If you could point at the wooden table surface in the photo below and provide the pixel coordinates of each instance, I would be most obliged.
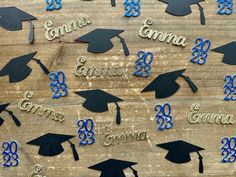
(136, 109)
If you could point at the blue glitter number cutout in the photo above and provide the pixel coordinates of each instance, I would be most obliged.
(10, 154)
(229, 88)
(228, 150)
(162, 117)
(143, 67)
(58, 85)
(200, 51)
(53, 5)
(132, 8)
(85, 131)
(225, 7)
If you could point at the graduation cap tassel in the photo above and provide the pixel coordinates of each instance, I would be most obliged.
(113, 3)
(135, 172)
(190, 83)
(14, 118)
(118, 116)
(125, 48)
(200, 163)
(202, 16)
(1, 121)
(31, 34)
(75, 154)
(45, 70)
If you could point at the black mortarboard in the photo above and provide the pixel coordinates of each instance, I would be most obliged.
(114, 168)
(100, 40)
(179, 152)
(11, 19)
(14, 118)
(97, 100)
(50, 144)
(165, 84)
(17, 68)
(182, 8)
(229, 51)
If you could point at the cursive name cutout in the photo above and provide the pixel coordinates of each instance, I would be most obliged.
(37, 171)
(25, 105)
(109, 139)
(98, 71)
(145, 32)
(195, 117)
(73, 25)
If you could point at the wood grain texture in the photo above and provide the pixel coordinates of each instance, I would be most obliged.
(137, 109)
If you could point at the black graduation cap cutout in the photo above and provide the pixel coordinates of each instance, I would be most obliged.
(179, 152)
(97, 100)
(114, 168)
(50, 144)
(182, 8)
(3, 107)
(18, 70)
(229, 51)
(100, 40)
(165, 85)
(11, 19)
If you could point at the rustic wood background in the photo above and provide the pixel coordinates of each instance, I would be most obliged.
(137, 109)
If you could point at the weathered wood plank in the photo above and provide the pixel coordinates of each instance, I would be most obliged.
(137, 108)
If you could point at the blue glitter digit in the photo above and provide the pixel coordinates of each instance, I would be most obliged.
(9, 154)
(128, 8)
(200, 51)
(90, 132)
(85, 132)
(227, 150)
(168, 117)
(159, 118)
(59, 3)
(14, 154)
(58, 85)
(63, 86)
(229, 88)
(136, 8)
(132, 8)
(53, 5)
(143, 67)
(225, 7)
(81, 132)
(163, 118)
(50, 5)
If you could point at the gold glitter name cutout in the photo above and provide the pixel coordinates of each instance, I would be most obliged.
(108, 139)
(145, 32)
(25, 105)
(37, 170)
(195, 117)
(98, 71)
(52, 34)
